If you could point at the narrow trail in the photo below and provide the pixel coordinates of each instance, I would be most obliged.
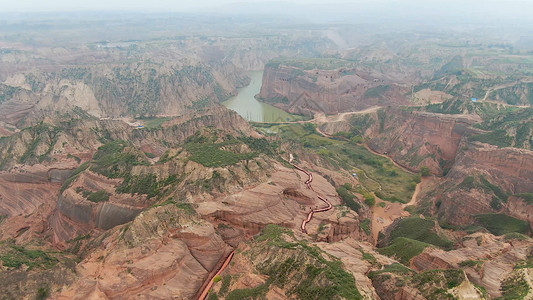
(415, 194)
(205, 292)
(309, 186)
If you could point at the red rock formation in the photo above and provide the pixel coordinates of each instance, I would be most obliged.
(328, 91)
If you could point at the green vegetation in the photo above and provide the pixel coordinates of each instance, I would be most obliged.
(348, 198)
(377, 174)
(421, 230)
(41, 133)
(526, 197)
(507, 127)
(187, 207)
(274, 235)
(527, 263)
(42, 293)
(226, 280)
(210, 155)
(7, 92)
(467, 183)
(498, 192)
(74, 176)
(370, 200)
(432, 284)
(145, 184)
(16, 256)
(370, 258)
(254, 293)
(77, 159)
(480, 182)
(150, 155)
(79, 238)
(365, 225)
(404, 249)
(452, 278)
(497, 137)
(322, 278)
(514, 287)
(166, 157)
(377, 92)
(261, 145)
(500, 224)
(115, 160)
(515, 236)
(395, 268)
(98, 196)
(305, 135)
(471, 263)
(359, 124)
(154, 122)
(424, 171)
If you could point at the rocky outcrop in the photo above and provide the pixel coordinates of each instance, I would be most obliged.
(123, 89)
(487, 260)
(493, 173)
(178, 129)
(511, 168)
(305, 91)
(77, 215)
(520, 208)
(266, 203)
(415, 139)
(33, 284)
(71, 138)
(164, 251)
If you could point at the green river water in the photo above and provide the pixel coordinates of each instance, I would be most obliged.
(250, 108)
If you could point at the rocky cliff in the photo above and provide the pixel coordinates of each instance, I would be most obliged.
(112, 90)
(415, 139)
(166, 250)
(306, 89)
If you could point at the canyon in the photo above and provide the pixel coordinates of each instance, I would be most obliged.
(124, 173)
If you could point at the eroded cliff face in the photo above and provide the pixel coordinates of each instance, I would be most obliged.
(480, 182)
(304, 91)
(113, 90)
(63, 138)
(411, 138)
(486, 260)
(166, 251)
(512, 168)
(415, 139)
(283, 199)
(280, 264)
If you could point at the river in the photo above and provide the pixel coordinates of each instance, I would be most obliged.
(250, 108)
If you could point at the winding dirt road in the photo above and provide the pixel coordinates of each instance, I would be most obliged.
(309, 186)
(205, 292)
(329, 206)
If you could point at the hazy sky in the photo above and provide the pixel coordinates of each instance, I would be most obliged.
(452, 10)
(188, 5)
(152, 5)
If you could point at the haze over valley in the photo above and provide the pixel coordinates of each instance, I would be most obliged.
(266, 150)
